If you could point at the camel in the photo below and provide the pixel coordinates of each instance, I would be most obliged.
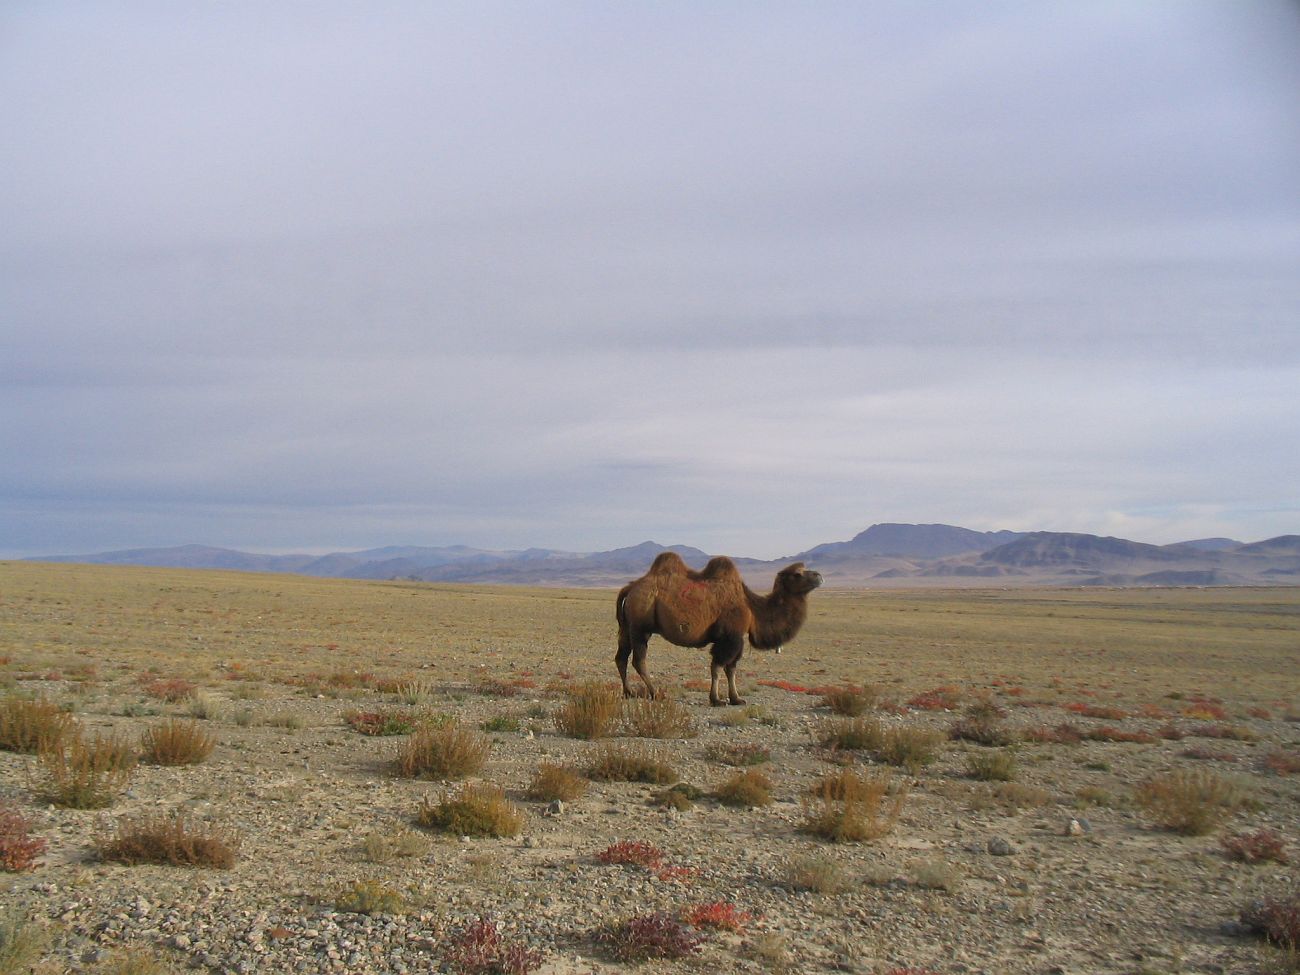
(694, 609)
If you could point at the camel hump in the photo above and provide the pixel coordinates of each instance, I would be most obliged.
(667, 562)
(719, 567)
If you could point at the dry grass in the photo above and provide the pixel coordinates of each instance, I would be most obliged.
(749, 789)
(22, 942)
(29, 725)
(398, 844)
(1190, 801)
(369, 897)
(590, 711)
(846, 807)
(441, 751)
(176, 742)
(551, 782)
(476, 810)
(911, 748)
(78, 774)
(991, 766)
(662, 718)
(619, 763)
(171, 839)
(852, 734)
(850, 700)
(818, 874)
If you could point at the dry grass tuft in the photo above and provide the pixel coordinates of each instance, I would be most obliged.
(749, 789)
(590, 711)
(399, 844)
(441, 751)
(657, 718)
(849, 700)
(176, 742)
(992, 766)
(846, 807)
(369, 897)
(817, 874)
(77, 774)
(852, 734)
(617, 763)
(29, 725)
(1190, 801)
(382, 723)
(171, 839)
(22, 942)
(551, 782)
(910, 748)
(172, 690)
(477, 810)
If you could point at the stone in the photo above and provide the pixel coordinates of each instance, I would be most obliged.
(1000, 847)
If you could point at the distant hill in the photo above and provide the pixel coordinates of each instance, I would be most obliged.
(892, 555)
(910, 541)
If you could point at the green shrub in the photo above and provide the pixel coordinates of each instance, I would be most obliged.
(477, 810)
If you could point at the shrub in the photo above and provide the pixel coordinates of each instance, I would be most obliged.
(382, 723)
(18, 848)
(1282, 762)
(445, 751)
(634, 852)
(1231, 732)
(853, 734)
(86, 775)
(479, 949)
(1191, 802)
(478, 810)
(169, 838)
(657, 718)
(742, 754)
(204, 707)
(1111, 733)
(681, 796)
(589, 711)
(749, 789)
(848, 808)
(1277, 918)
(551, 782)
(369, 897)
(817, 874)
(28, 725)
(21, 942)
(172, 691)
(849, 700)
(936, 875)
(910, 748)
(176, 742)
(414, 691)
(983, 724)
(721, 915)
(997, 766)
(501, 723)
(614, 763)
(495, 687)
(379, 847)
(939, 699)
(1062, 734)
(658, 935)
(1260, 846)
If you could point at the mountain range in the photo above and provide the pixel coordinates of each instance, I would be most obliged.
(884, 555)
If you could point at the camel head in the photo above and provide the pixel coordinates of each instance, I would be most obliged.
(795, 580)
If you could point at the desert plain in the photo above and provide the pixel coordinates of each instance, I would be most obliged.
(1059, 867)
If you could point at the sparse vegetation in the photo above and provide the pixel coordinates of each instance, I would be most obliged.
(911, 748)
(1259, 846)
(846, 807)
(647, 936)
(551, 782)
(176, 742)
(19, 850)
(619, 763)
(21, 942)
(480, 949)
(983, 723)
(29, 725)
(370, 897)
(590, 711)
(850, 700)
(169, 838)
(991, 766)
(1193, 802)
(818, 874)
(441, 751)
(398, 844)
(750, 789)
(476, 810)
(661, 717)
(382, 723)
(86, 775)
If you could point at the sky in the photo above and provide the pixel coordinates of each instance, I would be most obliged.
(319, 276)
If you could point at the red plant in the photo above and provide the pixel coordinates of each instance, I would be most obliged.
(938, 699)
(658, 935)
(720, 914)
(480, 950)
(1277, 918)
(1257, 847)
(1062, 734)
(785, 685)
(1171, 732)
(632, 851)
(377, 723)
(18, 848)
(1111, 733)
(1205, 708)
(171, 690)
(676, 874)
(1282, 762)
(1098, 711)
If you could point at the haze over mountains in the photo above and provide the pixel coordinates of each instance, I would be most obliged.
(884, 555)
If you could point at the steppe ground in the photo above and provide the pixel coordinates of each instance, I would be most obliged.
(1058, 871)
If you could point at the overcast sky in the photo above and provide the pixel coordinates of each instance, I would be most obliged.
(749, 276)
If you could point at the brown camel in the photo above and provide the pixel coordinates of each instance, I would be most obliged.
(694, 609)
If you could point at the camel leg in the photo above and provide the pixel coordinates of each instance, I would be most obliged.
(638, 661)
(620, 658)
(726, 651)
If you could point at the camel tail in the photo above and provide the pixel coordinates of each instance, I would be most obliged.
(619, 615)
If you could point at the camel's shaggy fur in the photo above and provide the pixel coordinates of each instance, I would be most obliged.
(714, 606)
